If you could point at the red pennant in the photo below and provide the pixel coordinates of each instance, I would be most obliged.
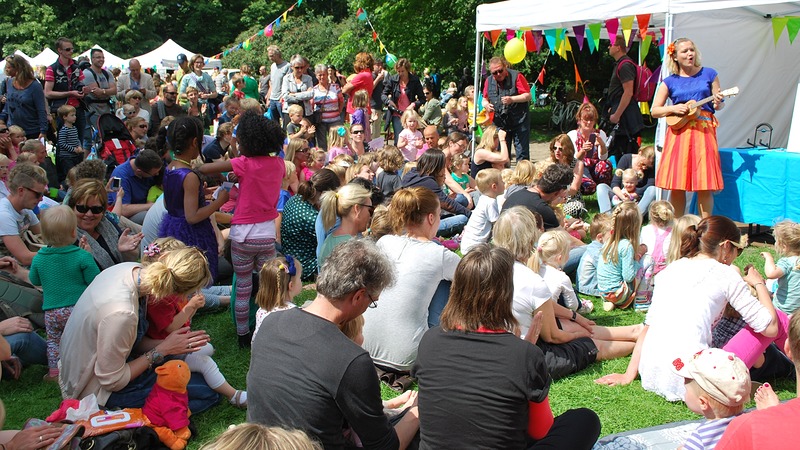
(374, 36)
(540, 78)
(644, 21)
(530, 41)
(495, 34)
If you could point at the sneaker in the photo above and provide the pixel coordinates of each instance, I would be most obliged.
(245, 340)
(608, 306)
(586, 307)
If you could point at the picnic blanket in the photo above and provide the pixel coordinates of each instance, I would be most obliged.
(668, 436)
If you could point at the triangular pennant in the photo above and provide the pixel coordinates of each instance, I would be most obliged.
(567, 44)
(291, 8)
(284, 15)
(260, 33)
(627, 26)
(374, 36)
(537, 36)
(487, 36)
(579, 31)
(510, 34)
(562, 49)
(359, 12)
(268, 31)
(586, 99)
(299, 2)
(612, 26)
(540, 78)
(663, 36)
(792, 26)
(560, 40)
(643, 20)
(382, 48)
(530, 41)
(550, 35)
(644, 107)
(277, 23)
(594, 29)
(644, 48)
(778, 24)
(577, 77)
(661, 50)
(495, 34)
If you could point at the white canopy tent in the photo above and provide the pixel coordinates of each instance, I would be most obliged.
(734, 36)
(45, 58)
(165, 57)
(16, 52)
(112, 60)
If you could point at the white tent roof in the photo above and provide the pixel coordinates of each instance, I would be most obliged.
(45, 58)
(16, 52)
(112, 60)
(735, 37)
(164, 56)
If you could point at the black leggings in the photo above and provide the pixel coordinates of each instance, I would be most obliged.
(576, 429)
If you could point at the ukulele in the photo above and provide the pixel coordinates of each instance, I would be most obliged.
(676, 121)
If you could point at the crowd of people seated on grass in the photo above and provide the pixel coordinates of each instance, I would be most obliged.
(476, 279)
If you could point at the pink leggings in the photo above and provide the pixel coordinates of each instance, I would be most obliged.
(749, 345)
(248, 257)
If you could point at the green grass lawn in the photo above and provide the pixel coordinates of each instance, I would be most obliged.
(620, 408)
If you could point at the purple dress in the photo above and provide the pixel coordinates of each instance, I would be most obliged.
(174, 224)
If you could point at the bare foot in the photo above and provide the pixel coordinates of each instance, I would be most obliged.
(765, 397)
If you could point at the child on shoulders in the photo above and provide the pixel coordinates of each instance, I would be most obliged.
(717, 387)
(479, 227)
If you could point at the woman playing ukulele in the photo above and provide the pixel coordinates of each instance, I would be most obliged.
(690, 161)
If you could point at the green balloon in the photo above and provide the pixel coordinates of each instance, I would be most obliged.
(391, 60)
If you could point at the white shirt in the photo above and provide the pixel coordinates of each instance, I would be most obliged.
(530, 292)
(479, 226)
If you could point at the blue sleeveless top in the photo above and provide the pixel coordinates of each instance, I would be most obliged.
(696, 87)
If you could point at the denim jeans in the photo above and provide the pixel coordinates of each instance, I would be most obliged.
(397, 126)
(438, 302)
(201, 397)
(571, 267)
(30, 348)
(604, 195)
(274, 110)
(451, 225)
(520, 136)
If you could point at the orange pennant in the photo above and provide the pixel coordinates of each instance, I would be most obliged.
(540, 78)
(495, 36)
(374, 36)
(578, 80)
(644, 21)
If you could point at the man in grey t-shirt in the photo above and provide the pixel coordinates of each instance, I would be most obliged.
(277, 71)
(101, 84)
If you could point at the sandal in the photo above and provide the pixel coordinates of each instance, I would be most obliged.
(12, 367)
(236, 400)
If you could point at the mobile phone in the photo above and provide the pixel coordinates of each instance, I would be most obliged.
(115, 183)
(227, 186)
(593, 138)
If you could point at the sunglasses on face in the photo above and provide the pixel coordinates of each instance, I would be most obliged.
(143, 126)
(35, 192)
(498, 72)
(83, 209)
(3, 130)
(68, 49)
(356, 131)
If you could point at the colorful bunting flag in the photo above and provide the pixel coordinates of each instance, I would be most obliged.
(627, 27)
(510, 34)
(578, 80)
(495, 37)
(579, 31)
(643, 20)
(540, 78)
(550, 35)
(792, 27)
(374, 36)
(268, 31)
(361, 14)
(612, 25)
(778, 24)
(530, 41)
(644, 48)
(595, 29)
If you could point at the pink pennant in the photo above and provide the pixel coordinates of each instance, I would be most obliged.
(268, 30)
(612, 26)
(579, 31)
(510, 34)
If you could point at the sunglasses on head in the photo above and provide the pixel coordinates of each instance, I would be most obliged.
(83, 209)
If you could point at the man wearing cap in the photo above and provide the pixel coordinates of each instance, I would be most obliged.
(717, 387)
(183, 68)
(136, 80)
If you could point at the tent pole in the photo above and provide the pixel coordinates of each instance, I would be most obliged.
(662, 122)
(476, 81)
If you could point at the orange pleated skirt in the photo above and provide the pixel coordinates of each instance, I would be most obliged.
(690, 159)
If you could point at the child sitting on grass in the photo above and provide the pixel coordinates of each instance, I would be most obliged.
(389, 180)
(787, 269)
(586, 282)
(279, 282)
(479, 227)
(176, 311)
(619, 261)
(717, 387)
(551, 254)
(63, 271)
(630, 178)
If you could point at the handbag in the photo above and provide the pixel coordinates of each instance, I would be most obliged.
(127, 439)
(20, 299)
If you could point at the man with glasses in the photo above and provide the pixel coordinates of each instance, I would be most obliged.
(508, 94)
(27, 183)
(136, 80)
(167, 106)
(338, 382)
(136, 179)
(100, 84)
(63, 84)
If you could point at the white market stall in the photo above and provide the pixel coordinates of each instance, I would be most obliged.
(45, 58)
(165, 57)
(112, 60)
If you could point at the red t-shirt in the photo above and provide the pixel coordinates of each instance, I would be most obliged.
(522, 86)
(362, 80)
(50, 76)
(766, 428)
(160, 315)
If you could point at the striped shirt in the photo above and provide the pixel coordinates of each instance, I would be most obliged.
(67, 141)
(327, 101)
(707, 434)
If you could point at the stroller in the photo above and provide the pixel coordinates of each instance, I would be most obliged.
(114, 144)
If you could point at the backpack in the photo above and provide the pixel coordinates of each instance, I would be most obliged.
(643, 90)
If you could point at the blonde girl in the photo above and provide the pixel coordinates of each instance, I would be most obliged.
(681, 224)
(352, 203)
(657, 235)
(339, 166)
(522, 177)
(359, 170)
(630, 178)
(787, 269)
(492, 152)
(552, 252)
(279, 282)
(338, 139)
(175, 312)
(459, 170)
(5, 162)
(620, 258)
(253, 436)
(410, 140)
(316, 162)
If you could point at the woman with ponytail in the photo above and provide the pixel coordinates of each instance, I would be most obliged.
(689, 299)
(352, 204)
(104, 349)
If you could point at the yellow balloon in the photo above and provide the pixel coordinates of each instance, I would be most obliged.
(515, 50)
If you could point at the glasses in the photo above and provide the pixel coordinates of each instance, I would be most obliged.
(35, 192)
(68, 49)
(297, 67)
(371, 208)
(143, 126)
(739, 246)
(558, 147)
(3, 130)
(356, 131)
(83, 209)
(170, 93)
(373, 302)
(427, 93)
(498, 72)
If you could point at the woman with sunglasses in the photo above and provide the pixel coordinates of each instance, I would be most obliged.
(99, 231)
(137, 127)
(689, 299)
(357, 144)
(352, 204)
(25, 102)
(298, 88)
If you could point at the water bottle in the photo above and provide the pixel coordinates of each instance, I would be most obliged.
(92, 154)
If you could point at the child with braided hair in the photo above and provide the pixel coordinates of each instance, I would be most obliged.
(786, 271)
(280, 281)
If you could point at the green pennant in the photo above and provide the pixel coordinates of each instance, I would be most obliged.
(778, 24)
(595, 30)
(792, 27)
